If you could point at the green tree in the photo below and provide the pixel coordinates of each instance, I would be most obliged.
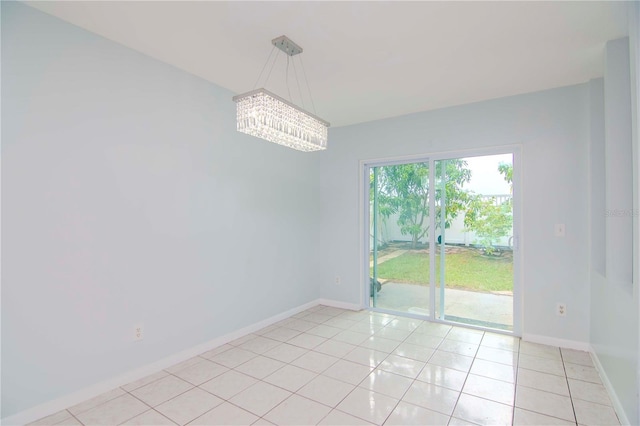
(404, 190)
(506, 170)
(488, 219)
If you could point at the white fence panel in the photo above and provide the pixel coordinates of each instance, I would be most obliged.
(389, 230)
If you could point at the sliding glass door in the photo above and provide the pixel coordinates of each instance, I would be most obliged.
(474, 259)
(441, 239)
(399, 217)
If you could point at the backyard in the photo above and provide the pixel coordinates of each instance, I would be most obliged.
(465, 268)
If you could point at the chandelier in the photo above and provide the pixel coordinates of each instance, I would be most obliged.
(267, 116)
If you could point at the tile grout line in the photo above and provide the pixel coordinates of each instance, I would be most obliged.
(466, 377)
(515, 383)
(412, 382)
(160, 414)
(74, 417)
(152, 408)
(566, 377)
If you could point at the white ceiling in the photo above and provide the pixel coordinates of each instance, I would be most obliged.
(368, 60)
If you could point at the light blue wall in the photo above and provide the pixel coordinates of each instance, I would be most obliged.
(618, 164)
(614, 215)
(552, 128)
(127, 197)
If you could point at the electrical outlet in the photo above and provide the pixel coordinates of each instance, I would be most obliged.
(138, 332)
(338, 280)
(561, 309)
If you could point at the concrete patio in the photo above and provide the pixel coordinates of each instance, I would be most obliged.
(469, 307)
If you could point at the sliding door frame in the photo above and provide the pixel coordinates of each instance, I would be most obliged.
(518, 246)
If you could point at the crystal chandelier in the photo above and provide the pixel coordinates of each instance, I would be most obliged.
(262, 114)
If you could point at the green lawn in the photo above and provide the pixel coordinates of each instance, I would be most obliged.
(466, 269)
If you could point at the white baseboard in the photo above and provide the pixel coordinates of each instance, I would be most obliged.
(58, 404)
(617, 405)
(552, 341)
(338, 304)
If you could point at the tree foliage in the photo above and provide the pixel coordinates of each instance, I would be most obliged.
(404, 190)
(489, 219)
(506, 170)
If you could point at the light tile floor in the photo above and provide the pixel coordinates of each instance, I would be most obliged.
(331, 366)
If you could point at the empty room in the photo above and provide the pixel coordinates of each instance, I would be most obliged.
(320, 213)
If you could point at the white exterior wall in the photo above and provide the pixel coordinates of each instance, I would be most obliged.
(390, 231)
